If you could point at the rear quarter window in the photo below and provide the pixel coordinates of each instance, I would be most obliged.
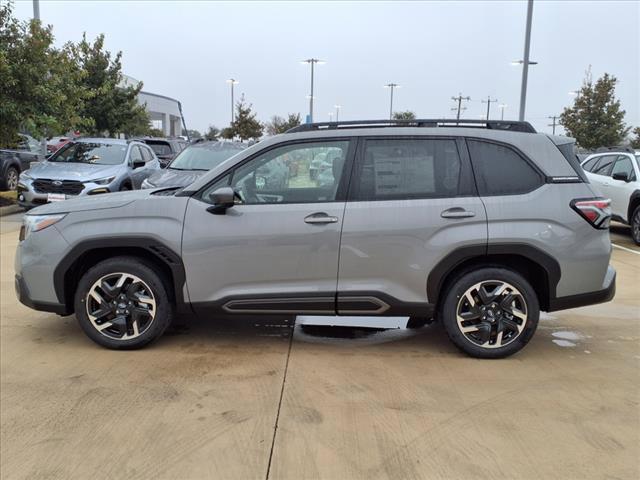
(500, 170)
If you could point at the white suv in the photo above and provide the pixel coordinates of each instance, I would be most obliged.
(617, 175)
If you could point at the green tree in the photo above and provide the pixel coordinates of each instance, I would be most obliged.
(596, 118)
(635, 142)
(39, 91)
(112, 106)
(406, 115)
(245, 126)
(213, 133)
(279, 125)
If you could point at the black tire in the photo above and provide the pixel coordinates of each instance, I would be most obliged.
(149, 279)
(635, 225)
(10, 180)
(472, 343)
(125, 187)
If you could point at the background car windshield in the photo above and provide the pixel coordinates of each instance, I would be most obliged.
(95, 153)
(197, 158)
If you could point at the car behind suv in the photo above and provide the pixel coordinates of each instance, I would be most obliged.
(480, 227)
(165, 149)
(15, 161)
(87, 167)
(616, 173)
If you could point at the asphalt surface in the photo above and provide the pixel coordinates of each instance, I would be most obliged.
(246, 398)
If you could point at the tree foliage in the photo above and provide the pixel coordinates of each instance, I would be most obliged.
(48, 91)
(245, 126)
(596, 118)
(278, 125)
(635, 142)
(39, 90)
(213, 133)
(112, 106)
(406, 115)
(192, 134)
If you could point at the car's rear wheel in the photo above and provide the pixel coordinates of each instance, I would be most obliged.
(490, 312)
(122, 303)
(11, 179)
(635, 225)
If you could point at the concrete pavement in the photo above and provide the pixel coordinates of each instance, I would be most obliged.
(253, 398)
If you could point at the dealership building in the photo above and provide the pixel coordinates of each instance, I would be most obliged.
(165, 112)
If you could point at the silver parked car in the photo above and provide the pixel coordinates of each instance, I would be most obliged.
(480, 227)
(87, 166)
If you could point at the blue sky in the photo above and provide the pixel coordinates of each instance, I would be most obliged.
(434, 50)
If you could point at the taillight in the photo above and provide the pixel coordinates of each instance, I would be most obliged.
(596, 211)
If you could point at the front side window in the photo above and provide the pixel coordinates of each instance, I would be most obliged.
(624, 165)
(298, 173)
(91, 152)
(408, 168)
(500, 170)
(146, 154)
(135, 155)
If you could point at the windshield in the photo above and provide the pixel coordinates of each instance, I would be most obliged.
(93, 153)
(199, 158)
(160, 148)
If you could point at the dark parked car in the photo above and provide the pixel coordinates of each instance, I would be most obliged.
(14, 161)
(192, 163)
(165, 149)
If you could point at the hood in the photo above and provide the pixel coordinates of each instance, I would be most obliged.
(174, 178)
(72, 171)
(91, 202)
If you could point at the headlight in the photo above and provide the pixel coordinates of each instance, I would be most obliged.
(35, 223)
(25, 176)
(147, 184)
(102, 181)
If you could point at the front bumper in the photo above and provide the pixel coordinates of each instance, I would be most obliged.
(590, 298)
(28, 197)
(22, 292)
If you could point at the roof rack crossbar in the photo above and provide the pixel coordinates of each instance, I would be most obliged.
(510, 125)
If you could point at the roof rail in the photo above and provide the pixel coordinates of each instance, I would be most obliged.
(615, 149)
(510, 125)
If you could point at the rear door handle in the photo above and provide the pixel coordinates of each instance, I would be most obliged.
(457, 212)
(320, 218)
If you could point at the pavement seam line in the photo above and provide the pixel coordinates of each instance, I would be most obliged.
(626, 249)
(284, 379)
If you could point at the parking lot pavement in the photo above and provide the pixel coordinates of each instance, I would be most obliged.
(204, 401)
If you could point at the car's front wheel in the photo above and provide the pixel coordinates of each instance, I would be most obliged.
(635, 225)
(122, 303)
(490, 312)
(11, 179)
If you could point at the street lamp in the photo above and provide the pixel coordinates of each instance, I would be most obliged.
(331, 116)
(232, 82)
(312, 62)
(502, 106)
(391, 86)
(338, 107)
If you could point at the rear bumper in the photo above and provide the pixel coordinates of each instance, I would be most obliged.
(590, 298)
(22, 293)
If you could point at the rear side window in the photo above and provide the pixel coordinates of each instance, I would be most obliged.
(604, 165)
(500, 170)
(589, 164)
(409, 168)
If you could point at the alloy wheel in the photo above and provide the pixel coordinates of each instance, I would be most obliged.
(635, 226)
(12, 179)
(491, 314)
(121, 306)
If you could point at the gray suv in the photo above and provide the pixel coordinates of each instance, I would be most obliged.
(478, 224)
(87, 166)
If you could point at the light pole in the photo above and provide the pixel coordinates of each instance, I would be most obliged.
(338, 107)
(391, 86)
(331, 116)
(502, 107)
(232, 82)
(312, 62)
(525, 62)
(488, 101)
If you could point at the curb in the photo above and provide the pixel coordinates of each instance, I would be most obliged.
(10, 209)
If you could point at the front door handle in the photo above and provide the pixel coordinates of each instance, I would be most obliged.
(320, 218)
(457, 212)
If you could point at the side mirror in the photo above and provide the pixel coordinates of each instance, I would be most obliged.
(222, 199)
(620, 176)
(138, 164)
